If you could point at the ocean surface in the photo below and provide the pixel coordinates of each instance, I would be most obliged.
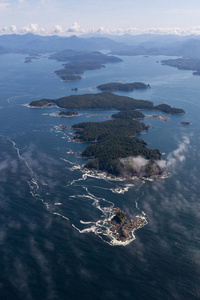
(54, 243)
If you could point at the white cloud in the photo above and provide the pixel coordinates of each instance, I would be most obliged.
(101, 30)
(78, 29)
(31, 28)
(153, 30)
(176, 157)
(58, 29)
(13, 29)
(137, 163)
(161, 163)
(3, 30)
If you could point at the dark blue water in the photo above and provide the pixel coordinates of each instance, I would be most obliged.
(53, 242)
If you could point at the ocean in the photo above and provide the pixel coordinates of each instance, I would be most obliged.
(54, 241)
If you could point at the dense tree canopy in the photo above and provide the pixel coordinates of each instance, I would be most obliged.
(126, 87)
(114, 139)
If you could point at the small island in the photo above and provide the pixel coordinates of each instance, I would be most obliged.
(80, 61)
(134, 114)
(61, 127)
(169, 110)
(29, 59)
(185, 123)
(197, 73)
(66, 76)
(184, 64)
(125, 87)
(68, 114)
(104, 101)
(122, 227)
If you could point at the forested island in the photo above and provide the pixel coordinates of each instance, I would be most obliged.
(104, 101)
(113, 141)
(185, 123)
(68, 114)
(29, 59)
(125, 87)
(196, 73)
(115, 149)
(184, 64)
(135, 114)
(79, 61)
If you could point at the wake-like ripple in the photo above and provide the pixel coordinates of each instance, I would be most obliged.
(33, 184)
(100, 227)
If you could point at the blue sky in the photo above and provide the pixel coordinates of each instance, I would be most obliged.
(79, 16)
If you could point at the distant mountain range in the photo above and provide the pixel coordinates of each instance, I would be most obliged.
(146, 44)
(35, 44)
(186, 46)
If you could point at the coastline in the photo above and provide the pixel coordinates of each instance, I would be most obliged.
(104, 175)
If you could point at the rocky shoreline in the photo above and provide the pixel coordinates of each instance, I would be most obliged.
(160, 118)
(122, 227)
(104, 175)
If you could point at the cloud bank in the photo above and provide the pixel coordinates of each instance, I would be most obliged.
(77, 29)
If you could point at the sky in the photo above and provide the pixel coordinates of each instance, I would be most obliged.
(67, 17)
